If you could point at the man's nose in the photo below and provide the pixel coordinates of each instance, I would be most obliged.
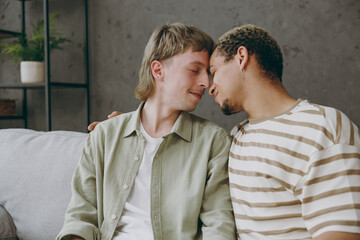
(212, 90)
(205, 81)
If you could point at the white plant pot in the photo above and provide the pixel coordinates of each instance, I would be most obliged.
(32, 72)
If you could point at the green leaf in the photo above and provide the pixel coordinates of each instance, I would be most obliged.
(32, 48)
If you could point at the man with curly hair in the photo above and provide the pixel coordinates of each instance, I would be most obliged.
(294, 166)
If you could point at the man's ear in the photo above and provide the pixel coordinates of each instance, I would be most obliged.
(157, 70)
(242, 57)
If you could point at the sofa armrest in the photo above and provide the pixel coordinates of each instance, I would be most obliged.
(7, 226)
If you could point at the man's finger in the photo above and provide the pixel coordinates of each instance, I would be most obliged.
(114, 114)
(92, 126)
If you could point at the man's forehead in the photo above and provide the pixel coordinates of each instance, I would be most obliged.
(195, 57)
(215, 52)
(215, 58)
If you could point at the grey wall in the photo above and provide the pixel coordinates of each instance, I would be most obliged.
(320, 40)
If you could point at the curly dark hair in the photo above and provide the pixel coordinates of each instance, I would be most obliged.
(257, 41)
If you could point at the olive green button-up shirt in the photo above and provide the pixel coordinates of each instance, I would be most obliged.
(189, 180)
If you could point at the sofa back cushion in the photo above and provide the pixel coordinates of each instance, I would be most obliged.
(36, 169)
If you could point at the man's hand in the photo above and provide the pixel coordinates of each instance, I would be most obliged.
(76, 238)
(338, 236)
(93, 125)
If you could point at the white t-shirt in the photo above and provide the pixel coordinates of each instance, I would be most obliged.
(135, 222)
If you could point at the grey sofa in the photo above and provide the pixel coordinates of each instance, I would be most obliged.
(35, 181)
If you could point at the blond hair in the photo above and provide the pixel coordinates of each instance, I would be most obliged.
(166, 42)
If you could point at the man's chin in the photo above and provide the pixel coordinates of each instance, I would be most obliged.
(189, 108)
(227, 110)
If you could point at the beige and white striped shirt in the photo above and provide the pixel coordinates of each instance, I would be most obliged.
(296, 175)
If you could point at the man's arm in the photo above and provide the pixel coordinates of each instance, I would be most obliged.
(338, 236)
(76, 238)
(329, 193)
(81, 218)
(217, 214)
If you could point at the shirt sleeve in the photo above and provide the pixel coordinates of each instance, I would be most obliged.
(81, 218)
(217, 214)
(330, 190)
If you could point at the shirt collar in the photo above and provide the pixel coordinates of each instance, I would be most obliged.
(134, 122)
(182, 126)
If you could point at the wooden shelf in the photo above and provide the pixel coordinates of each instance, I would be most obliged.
(8, 34)
(42, 85)
(12, 117)
(22, 85)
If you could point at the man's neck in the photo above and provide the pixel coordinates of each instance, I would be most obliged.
(268, 99)
(157, 119)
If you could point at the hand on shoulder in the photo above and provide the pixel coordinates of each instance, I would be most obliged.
(92, 126)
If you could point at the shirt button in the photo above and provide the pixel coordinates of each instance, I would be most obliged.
(126, 186)
(113, 216)
(155, 217)
(136, 158)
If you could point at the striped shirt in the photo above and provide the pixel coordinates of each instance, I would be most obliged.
(296, 175)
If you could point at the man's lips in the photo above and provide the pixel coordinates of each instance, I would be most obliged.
(198, 95)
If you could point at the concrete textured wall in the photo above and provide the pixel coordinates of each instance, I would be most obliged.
(320, 41)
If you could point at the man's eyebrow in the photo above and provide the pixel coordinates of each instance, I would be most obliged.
(197, 63)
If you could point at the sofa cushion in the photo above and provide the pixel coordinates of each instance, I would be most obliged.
(7, 227)
(36, 169)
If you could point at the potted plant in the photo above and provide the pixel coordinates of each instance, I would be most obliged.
(31, 50)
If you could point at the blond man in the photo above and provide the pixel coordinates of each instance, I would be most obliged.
(159, 172)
